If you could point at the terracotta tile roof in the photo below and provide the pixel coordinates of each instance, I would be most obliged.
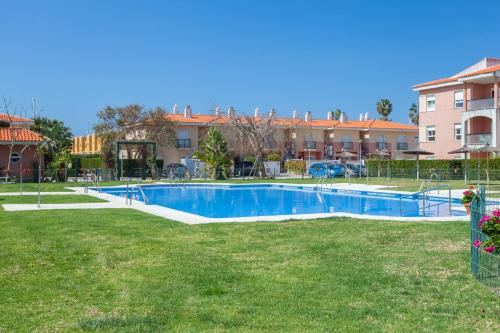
(320, 123)
(5, 117)
(20, 135)
(490, 69)
(484, 71)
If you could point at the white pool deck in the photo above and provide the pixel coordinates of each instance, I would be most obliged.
(115, 202)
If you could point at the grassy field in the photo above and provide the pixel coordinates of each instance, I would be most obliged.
(48, 199)
(402, 184)
(125, 271)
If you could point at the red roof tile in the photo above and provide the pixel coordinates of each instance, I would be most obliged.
(5, 117)
(295, 122)
(490, 69)
(19, 134)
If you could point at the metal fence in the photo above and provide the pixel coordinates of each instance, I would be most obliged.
(484, 266)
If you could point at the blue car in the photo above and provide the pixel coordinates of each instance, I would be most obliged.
(318, 170)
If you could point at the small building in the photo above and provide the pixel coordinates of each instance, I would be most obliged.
(16, 131)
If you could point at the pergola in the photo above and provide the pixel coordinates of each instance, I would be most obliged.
(120, 143)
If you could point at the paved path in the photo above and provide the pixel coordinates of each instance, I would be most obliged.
(15, 194)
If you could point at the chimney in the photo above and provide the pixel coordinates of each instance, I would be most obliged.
(329, 115)
(187, 112)
(231, 112)
(343, 117)
(308, 117)
(361, 117)
(217, 111)
(366, 116)
(256, 113)
(295, 114)
(175, 109)
(272, 113)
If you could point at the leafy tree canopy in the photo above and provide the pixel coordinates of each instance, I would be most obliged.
(384, 108)
(59, 134)
(214, 153)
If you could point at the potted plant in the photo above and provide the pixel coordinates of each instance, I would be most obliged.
(468, 197)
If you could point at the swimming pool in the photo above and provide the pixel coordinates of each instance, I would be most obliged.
(263, 200)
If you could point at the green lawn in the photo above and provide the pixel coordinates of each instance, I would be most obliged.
(52, 199)
(125, 271)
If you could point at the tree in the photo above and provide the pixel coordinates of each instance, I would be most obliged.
(336, 114)
(384, 108)
(258, 135)
(413, 114)
(14, 132)
(213, 152)
(59, 134)
(133, 122)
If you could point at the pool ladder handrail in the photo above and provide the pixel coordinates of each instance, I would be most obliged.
(144, 196)
(428, 182)
(321, 182)
(425, 195)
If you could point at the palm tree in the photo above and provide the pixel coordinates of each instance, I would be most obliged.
(413, 114)
(59, 134)
(384, 108)
(336, 114)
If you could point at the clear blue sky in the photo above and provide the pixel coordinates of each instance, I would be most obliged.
(76, 57)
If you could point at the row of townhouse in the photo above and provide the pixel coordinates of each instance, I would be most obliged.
(306, 138)
(461, 110)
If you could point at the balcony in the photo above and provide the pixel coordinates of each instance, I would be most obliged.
(347, 145)
(309, 145)
(401, 146)
(183, 143)
(478, 139)
(382, 146)
(480, 104)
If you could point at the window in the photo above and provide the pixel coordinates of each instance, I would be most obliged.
(431, 133)
(401, 143)
(459, 99)
(431, 158)
(15, 157)
(430, 103)
(183, 141)
(183, 135)
(458, 132)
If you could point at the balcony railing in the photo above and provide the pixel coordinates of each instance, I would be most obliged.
(183, 143)
(401, 146)
(480, 104)
(310, 145)
(478, 139)
(347, 145)
(382, 146)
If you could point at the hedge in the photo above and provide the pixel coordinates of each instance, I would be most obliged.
(297, 167)
(446, 169)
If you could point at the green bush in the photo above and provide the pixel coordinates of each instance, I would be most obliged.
(297, 167)
(446, 169)
(249, 158)
(273, 157)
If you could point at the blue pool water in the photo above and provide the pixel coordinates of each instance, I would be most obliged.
(220, 201)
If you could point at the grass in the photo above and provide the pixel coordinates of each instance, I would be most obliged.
(49, 199)
(126, 271)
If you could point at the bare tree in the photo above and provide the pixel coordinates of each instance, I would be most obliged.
(14, 132)
(258, 135)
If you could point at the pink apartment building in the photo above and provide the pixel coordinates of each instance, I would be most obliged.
(460, 110)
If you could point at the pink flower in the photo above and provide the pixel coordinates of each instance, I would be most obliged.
(477, 243)
(467, 193)
(490, 248)
(483, 220)
(496, 213)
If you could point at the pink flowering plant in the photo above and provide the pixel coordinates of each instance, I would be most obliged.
(470, 195)
(490, 226)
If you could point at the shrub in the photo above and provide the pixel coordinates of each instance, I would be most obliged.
(490, 226)
(273, 157)
(297, 167)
